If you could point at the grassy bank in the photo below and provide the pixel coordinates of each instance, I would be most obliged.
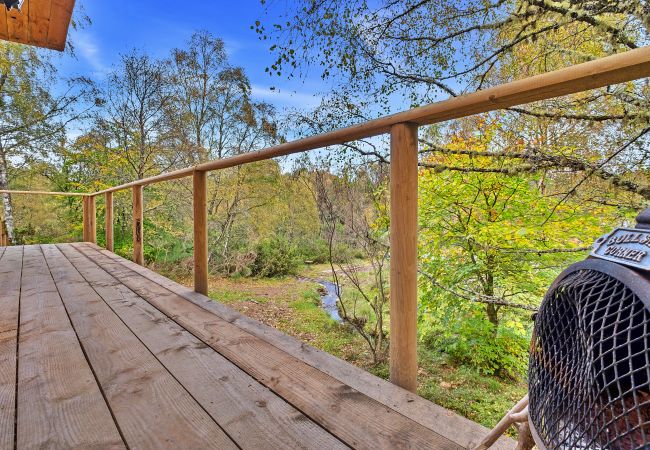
(292, 306)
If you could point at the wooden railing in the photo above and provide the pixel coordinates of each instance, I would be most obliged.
(403, 130)
(4, 239)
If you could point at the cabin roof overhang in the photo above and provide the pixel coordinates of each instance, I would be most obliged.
(42, 23)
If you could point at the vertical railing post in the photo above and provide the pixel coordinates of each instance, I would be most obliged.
(403, 254)
(3, 234)
(138, 255)
(108, 220)
(86, 225)
(200, 203)
(92, 220)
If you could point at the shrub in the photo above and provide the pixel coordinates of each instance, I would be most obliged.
(275, 257)
(473, 341)
(317, 251)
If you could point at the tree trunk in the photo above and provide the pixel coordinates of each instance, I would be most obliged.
(493, 316)
(492, 311)
(6, 198)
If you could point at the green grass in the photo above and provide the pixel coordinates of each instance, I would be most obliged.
(329, 335)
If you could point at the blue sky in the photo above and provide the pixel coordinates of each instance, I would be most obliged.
(160, 25)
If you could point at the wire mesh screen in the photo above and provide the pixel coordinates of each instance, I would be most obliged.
(589, 367)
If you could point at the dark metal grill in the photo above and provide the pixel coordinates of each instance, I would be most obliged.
(589, 369)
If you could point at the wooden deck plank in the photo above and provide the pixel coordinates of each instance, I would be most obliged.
(441, 420)
(353, 417)
(252, 415)
(10, 274)
(59, 402)
(152, 409)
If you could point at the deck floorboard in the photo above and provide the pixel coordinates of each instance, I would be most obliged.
(10, 276)
(335, 405)
(59, 402)
(251, 414)
(110, 354)
(152, 408)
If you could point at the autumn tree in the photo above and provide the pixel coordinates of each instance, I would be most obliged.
(491, 244)
(380, 54)
(35, 108)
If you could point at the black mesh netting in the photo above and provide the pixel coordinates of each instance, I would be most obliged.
(589, 366)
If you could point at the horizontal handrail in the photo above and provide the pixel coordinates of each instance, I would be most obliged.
(619, 68)
(68, 194)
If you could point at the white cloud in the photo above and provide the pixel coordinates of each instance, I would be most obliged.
(232, 46)
(280, 97)
(89, 51)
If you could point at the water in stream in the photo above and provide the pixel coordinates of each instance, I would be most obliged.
(328, 301)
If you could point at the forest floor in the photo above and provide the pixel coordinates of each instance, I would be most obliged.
(291, 305)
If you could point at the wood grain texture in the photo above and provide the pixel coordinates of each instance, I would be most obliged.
(92, 219)
(152, 408)
(3, 234)
(39, 21)
(138, 255)
(356, 419)
(253, 416)
(404, 255)
(59, 402)
(108, 220)
(200, 206)
(4, 32)
(18, 24)
(435, 417)
(43, 23)
(10, 277)
(85, 220)
(63, 194)
(60, 15)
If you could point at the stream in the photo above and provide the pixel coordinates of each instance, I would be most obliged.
(329, 299)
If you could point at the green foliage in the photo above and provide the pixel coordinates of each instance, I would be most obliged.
(275, 257)
(490, 245)
(473, 341)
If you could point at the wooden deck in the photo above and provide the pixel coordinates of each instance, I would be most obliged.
(98, 352)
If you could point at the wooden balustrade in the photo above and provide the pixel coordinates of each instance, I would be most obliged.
(200, 205)
(4, 238)
(403, 128)
(138, 254)
(89, 219)
(108, 220)
(404, 254)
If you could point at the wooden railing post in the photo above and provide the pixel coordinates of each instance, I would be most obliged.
(403, 254)
(108, 220)
(3, 234)
(200, 232)
(92, 220)
(85, 232)
(138, 255)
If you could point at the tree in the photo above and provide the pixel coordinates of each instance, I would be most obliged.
(134, 122)
(375, 52)
(491, 244)
(353, 215)
(33, 118)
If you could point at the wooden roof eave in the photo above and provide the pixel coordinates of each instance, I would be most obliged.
(41, 23)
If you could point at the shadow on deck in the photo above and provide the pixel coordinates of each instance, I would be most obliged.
(98, 352)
